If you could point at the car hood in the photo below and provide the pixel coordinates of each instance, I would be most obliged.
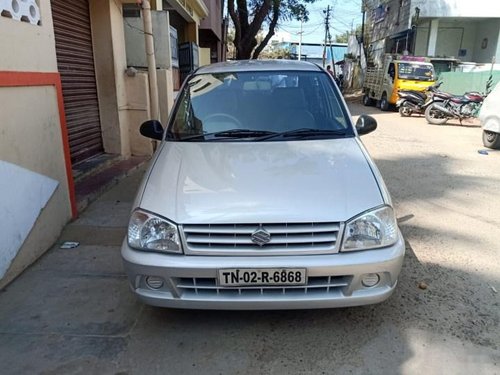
(260, 182)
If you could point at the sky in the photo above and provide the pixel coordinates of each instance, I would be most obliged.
(344, 14)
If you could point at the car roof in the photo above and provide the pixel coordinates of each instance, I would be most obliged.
(258, 65)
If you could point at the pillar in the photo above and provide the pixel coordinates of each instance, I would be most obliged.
(433, 34)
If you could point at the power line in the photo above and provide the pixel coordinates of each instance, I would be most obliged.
(297, 32)
(306, 25)
(345, 11)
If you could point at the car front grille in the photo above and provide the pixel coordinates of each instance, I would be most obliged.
(261, 239)
(207, 287)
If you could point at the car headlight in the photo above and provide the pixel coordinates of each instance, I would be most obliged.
(372, 229)
(147, 231)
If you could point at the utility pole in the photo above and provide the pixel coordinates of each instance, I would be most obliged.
(363, 10)
(327, 31)
(328, 38)
(300, 39)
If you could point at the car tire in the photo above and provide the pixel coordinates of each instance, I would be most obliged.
(384, 103)
(367, 101)
(434, 116)
(491, 139)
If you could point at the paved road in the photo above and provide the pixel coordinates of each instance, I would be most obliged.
(444, 191)
(72, 312)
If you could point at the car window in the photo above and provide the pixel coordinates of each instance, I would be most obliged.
(414, 71)
(258, 101)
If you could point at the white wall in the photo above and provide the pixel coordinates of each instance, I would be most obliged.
(490, 30)
(422, 39)
(457, 8)
(467, 35)
(453, 36)
(31, 145)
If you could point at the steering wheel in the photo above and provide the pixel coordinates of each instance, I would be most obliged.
(222, 116)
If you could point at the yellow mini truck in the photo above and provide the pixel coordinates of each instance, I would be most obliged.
(381, 84)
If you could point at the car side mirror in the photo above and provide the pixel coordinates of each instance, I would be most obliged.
(152, 129)
(365, 124)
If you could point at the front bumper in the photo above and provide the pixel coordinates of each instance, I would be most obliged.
(334, 279)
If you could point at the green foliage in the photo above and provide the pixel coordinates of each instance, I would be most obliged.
(278, 53)
(288, 9)
(251, 16)
(344, 37)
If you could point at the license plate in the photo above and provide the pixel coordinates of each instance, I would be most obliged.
(262, 276)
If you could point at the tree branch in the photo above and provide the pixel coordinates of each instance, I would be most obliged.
(260, 16)
(243, 14)
(236, 22)
(272, 26)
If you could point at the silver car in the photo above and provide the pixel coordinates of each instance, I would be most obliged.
(262, 196)
(490, 119)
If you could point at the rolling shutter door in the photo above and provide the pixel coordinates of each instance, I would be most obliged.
(75, 61)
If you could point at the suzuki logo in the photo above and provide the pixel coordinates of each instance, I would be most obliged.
(261, 236)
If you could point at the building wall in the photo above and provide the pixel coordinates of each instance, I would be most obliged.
(213, 21)
(422, 39)
(490, 30)
(34, 149)
(26, 47)
(467, 35)
(211, 31)
(177, 22)
(204, 54)
(455, 36)
(458, 8)
(35, 182)
(395, 19)
(124, 98)
(101, 13)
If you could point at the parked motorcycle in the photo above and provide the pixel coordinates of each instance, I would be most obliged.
(445, 106)
(415, 102)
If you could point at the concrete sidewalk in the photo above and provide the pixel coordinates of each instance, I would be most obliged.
(72, 310)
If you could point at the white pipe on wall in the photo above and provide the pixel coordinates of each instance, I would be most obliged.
(150, 55)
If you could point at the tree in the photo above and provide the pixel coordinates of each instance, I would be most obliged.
(231, 51)
(344, 37)
(276, 53)
(249, 16)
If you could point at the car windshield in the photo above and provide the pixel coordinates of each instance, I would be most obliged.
(258, 106)
(417, 72)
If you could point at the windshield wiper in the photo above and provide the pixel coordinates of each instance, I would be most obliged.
(233, 133)
(304, 133)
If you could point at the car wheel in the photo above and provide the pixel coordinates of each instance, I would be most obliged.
(384, 103)
(434, 116)
(405, 111)
(367, 101)
(491, 139)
